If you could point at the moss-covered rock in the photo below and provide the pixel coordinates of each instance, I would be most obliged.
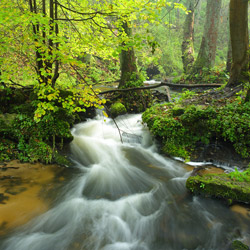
(117, 109)
(61, 159)
(238, 245)
(220, 186)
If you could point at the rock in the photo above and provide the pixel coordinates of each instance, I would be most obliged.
(117, 109)
(220, 186)
(61, 160)
(238, 245)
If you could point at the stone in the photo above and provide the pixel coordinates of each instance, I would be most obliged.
(220, 186)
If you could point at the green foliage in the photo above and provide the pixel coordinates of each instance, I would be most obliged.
(214, 75)
(186, 94)
(232, 123)
(240, 176)
(136, 101)
(7, 150)
(36, 140)
(181, 128)
(134, 80)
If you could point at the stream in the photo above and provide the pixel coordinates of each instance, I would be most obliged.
(126, 196)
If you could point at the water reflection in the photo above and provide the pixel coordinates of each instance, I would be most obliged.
(24, 190)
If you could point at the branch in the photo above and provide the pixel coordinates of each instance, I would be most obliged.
(90, 13)
(75, 20)
(183, 86)
(107, 109)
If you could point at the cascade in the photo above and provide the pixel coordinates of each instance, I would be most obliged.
(126, 196)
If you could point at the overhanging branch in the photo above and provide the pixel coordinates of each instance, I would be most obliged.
(176, 86)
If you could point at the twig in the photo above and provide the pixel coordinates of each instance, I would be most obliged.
(108, 111)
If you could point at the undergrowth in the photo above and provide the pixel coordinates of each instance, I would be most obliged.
(181, 128)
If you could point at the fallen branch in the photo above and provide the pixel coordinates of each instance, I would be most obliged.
(176, 86)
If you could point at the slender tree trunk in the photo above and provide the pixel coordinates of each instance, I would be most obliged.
(206, 56)
(239, 41)
(46, 59)
(56, 70)
(128, 61)
(229, 57)
(188, 42)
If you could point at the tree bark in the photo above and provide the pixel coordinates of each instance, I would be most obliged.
(206, 56)
(188, 42)
(45, 59)
(239, 41)
(127, 60)
(229, 57)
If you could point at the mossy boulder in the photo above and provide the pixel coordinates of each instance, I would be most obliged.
(220, 186)
(238, 245)
(117, 109)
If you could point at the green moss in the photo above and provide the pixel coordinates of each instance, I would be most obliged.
(117, 109)
(181, 127)
(61, 160)
(238, 245)
(220, 186)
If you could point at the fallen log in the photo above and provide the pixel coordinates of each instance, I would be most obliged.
(175, 86)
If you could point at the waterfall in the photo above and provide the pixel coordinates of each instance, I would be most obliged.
(126, 196)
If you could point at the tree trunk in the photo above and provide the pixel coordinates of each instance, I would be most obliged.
(127, 60)
(206, 56)
(44, 58)
(239, 41)
(229, 57)
(188, 42)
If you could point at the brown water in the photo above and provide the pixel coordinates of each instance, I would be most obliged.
(24, 190)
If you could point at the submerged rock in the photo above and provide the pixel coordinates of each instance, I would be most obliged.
(220, 186)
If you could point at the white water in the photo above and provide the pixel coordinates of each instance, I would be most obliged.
(127, 197)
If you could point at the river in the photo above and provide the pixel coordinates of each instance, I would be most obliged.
(126, 196)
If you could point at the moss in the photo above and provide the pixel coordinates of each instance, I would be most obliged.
(61, 160)
(177, 111)
(117, 109)
(238, 245)
(220, 186)
(183, 126)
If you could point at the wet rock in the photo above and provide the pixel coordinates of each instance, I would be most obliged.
(219, 153)
(238, 245)
(219, 186)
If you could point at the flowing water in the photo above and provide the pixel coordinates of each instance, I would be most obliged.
(126, 196)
